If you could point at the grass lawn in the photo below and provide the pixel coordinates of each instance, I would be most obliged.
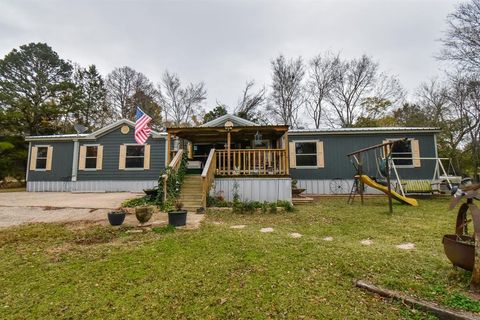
(215, 272)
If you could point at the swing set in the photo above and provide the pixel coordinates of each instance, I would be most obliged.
(387, 169)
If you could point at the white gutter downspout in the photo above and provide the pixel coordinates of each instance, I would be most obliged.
(75, 160)
(28, 160)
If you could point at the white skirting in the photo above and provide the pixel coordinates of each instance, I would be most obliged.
(331, 186)
(254, 189)
(90, 186)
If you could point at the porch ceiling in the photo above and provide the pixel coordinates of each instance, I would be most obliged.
(216, 134)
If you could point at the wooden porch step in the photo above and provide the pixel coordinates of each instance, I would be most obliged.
(193, 176)
(195, 198)
(191, 204)
(300, 200)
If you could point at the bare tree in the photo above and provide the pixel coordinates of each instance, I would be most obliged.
(462, 39)
(182, 106)
(464, 96)
(361, 91)
(322, 77)
(122, 84)
(287, 90)
(433, 97)
(250, 104)
(355, 79)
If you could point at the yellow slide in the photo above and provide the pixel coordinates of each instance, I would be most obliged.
(369, 182)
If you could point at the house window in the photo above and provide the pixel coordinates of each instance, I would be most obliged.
(91, 157)
(306, 154)
(402, 153)
(41, 162)
(134, 157)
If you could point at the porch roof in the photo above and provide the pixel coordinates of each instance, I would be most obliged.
(218, 134)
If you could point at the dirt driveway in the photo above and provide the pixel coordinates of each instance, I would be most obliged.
(27, 207)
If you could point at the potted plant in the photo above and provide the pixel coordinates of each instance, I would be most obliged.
(143, 214)
(177, 217)
(295, 190)
(116, 217)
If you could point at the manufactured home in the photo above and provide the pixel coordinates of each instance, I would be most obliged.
(259, 161)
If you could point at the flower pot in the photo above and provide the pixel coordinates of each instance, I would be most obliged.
(116, 218)
(143, 214)
(177, 218)
(297, 191)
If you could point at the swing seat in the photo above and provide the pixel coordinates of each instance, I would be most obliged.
(417, 186)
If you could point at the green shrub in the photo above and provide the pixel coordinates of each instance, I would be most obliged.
(136, 202)
(218, 202)
(264, 207)
(286, 204)
(273, 207)
(174, 183)
(248, 207)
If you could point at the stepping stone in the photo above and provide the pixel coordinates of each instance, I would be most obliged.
(217, 223)
(328, 238)
(366, 242)
(406, 246)
(240, 226)
(265, 230)
(295, 235)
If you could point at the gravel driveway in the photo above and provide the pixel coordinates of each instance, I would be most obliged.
(27, 207)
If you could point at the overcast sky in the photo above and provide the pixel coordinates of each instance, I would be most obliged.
(226, 43)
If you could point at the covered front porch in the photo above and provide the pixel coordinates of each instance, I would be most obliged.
(232, 150)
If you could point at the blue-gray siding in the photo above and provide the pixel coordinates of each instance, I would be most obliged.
(111, 141)
(338, 166)
(111, 148)
(61, 163)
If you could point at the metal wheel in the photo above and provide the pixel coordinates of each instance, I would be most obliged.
(339, 186)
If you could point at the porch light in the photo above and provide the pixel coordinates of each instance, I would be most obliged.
(258, 138)
(228, 125)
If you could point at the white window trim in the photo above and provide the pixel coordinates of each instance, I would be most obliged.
(90, 145)
(403, 166)
(41, 146)
(309, 154)
(126, 147)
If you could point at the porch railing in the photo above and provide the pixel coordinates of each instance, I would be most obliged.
(252, 162)
(208, 175)
(174, 164)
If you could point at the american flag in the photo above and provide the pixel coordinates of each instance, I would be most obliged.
(142, 131)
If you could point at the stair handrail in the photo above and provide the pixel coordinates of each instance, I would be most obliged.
(208, 175)
(174, 164)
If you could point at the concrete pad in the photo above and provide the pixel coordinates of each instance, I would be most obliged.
(65, 199)
(63, 207)
(11, 216)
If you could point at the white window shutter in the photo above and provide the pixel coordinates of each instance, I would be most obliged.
(146, 157)
(99, 157)
(121, 158)
(81, 158)
(49, 158)
(292, 155)
(416, 153)
(33, 158)
(320, 155)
